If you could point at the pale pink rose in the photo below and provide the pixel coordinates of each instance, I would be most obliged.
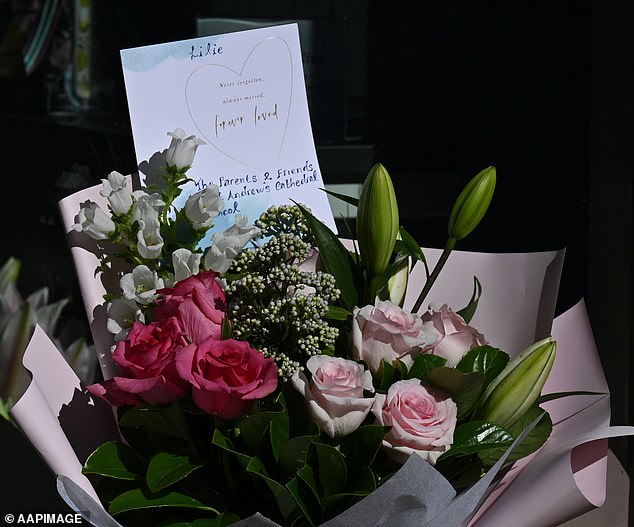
(456, 336)
(334, 393)
(387, 332)
(422, 420)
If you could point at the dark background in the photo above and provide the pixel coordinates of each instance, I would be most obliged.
(541, 90)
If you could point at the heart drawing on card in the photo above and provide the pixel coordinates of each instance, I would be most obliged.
(244, 114)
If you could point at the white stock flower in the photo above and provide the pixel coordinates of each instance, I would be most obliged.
(186, 263)
(141, 284)
(227, 244)
(203, 206)
(182, 149)
(115, 188)
(93, 221)
(121, 314)
(149, 241)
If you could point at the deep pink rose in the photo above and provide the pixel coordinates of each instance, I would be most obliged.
(422, 420)
(226, 376)
(456, 336)
(146, 364)
(335, 393)
(387, 332)
(197, 302)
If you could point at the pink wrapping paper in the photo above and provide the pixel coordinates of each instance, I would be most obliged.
(61, 420)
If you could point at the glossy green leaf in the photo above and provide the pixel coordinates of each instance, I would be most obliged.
(336, 258)
(351, 200)
(165, 469)
(463, 388)
(476, 436)
(337, 313)
(303, 489)
(144, 499)
(484, 359)
(362, 445)
(533, 441)
(294, 454)
(115, 460)
(423, 364)
(330, 468)
(410, 245)
(469, 310)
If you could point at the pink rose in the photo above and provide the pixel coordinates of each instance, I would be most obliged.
(146, 363)
(334, 393)
(226, 376)
(197, 302)
(422, 420)
(387, 332)
(456, 336)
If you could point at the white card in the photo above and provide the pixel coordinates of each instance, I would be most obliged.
(244, 94)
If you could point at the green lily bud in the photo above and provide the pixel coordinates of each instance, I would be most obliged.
(472, 204)
(377, 221)
(517, 387)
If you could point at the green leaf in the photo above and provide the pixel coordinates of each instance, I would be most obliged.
(170, 421)
(279, 429)
(362, 445)
(336, 258)
(144, 499)
(351, 200)
(484, 359)
(533, 441)
(337, 313)
(391, 374)
(463, 388)
(283, 498)
(222, 442)
(423, 364)
(560, 395)
(115, 460)
(166, 469)
(411, 245)
(469, 310)
(329, 467)
(477, 436)
(304, 490)
(254, 430)
(295, 452)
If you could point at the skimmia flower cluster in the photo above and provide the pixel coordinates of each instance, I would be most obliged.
(279, 364)
(278, 300)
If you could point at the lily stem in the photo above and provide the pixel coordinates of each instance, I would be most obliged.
(451, 243)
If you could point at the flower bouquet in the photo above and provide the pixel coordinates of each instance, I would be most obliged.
(282, 376)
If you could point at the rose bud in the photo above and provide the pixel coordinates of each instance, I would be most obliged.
(515, 390)
(377, 221)
(472, 204)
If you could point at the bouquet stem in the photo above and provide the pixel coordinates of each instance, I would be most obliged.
(451, 243)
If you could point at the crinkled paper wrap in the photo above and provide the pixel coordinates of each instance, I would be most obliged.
(566, 478)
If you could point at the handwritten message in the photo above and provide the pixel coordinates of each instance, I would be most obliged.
(244, 94)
